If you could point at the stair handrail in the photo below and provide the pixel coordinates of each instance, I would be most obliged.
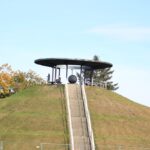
(90, 131)
(69, 117)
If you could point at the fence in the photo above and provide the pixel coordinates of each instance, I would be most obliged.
(15, 145)
(48, 146)
(121, 147)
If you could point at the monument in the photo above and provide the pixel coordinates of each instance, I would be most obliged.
(74, 64)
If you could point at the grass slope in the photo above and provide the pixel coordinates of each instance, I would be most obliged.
(38, 115)
(33, 116)
(117, 120)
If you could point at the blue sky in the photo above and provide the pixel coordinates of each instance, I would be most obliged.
(117, 31)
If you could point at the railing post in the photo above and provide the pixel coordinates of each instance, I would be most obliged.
(41, 146)
(1, 145)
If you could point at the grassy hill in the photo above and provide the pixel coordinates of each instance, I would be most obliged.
(33, 116)
(117, 120)
(38, 115)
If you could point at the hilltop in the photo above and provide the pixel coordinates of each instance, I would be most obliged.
(38, 115)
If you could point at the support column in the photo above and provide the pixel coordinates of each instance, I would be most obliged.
(59, 72)
(91, 78)
(55, 73)
(59, 78)
(84, 77)
(81, 80)
(52, 74)
(66, 73)
(48, 78)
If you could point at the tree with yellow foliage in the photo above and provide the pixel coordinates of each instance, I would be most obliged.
(6, 77)
(17, 80)
(24, 80)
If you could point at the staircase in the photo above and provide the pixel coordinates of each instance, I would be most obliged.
(78, 118)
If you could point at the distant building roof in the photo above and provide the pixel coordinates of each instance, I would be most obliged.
(52, 62)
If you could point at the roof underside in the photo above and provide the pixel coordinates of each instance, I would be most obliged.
(52, 62)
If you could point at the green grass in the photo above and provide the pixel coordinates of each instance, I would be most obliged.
(33, 116)
(38, 115)
(117, 120)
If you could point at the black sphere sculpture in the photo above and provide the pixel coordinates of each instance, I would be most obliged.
(72, 79)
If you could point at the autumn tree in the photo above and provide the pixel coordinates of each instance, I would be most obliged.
(33, 78)
(17, 79)
(26, 79)
(6, 77)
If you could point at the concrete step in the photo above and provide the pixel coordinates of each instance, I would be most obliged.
(77, 113)
(80, 132)
(79, 124)
(77, 109)
(81, 143)
(77, 105)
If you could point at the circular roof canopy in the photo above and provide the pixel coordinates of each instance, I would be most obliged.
(52, 62)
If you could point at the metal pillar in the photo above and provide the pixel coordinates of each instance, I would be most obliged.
(52, 74)
(66, 71)
(91, 78)
(48, 78)
(59, 78)
(59, 72)
(81, 80)
(55, 73)
(84, 76)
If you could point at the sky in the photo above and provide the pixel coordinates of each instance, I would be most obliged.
(117, 31)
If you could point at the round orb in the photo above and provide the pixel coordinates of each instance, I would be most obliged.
(72, 79)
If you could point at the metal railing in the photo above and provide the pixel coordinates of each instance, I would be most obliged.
(46, 146)
(121, 147)
(31, 145)
(90, 131)
(69, 118)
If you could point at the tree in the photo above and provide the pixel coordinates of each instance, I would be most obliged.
(26, 79)
(6, 77)
(19, 80)
(104, 76)
(33, 78)
(16, 80)
(101, 77)
(96, 58)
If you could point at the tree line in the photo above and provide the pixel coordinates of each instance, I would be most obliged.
(12, 81)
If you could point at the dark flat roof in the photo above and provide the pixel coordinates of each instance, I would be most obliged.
(52, 62)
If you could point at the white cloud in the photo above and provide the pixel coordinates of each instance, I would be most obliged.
(123, 32)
